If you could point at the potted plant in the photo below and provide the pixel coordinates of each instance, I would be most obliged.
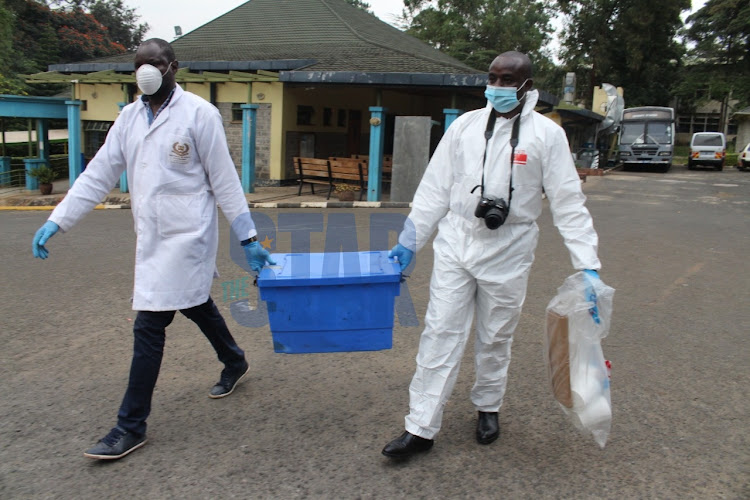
(345, 192)
(45, 175)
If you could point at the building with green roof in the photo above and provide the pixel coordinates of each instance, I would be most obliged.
(315, 71)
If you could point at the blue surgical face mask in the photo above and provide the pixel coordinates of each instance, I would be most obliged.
(503, 99)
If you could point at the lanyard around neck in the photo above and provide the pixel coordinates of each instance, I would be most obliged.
(513, 143)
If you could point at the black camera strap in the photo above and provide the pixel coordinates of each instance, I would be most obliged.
(513, 143)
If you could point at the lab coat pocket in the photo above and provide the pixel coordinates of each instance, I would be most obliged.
(179, 214)
(181, 152)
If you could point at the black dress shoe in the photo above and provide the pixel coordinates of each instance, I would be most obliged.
(488, 429)
(406, 445)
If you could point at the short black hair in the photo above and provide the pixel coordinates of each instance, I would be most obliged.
(523, 61)
(164, 45)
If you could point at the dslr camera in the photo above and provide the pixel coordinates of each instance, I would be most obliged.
(494, 212)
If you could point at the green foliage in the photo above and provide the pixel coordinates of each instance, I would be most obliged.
(718, 65)
(9, 81)
(628, 43)
(44, 174)
(359, 4)
(721, 31)
(33, 35)
(476, 31)
(121, 22)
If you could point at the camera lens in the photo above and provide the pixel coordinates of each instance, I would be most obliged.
(494, 218)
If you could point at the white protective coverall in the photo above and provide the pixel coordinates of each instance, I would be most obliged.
(486, 270)
(177, 168)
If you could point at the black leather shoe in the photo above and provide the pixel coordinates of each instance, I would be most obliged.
(406, 445)
(488, 429)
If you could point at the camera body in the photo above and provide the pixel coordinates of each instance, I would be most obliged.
(494, 212)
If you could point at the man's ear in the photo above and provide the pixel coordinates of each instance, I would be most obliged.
(525, 88)
(175, 66)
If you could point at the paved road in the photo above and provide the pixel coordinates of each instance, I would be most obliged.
(312, 426)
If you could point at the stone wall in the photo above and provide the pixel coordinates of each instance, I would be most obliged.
(233, 131)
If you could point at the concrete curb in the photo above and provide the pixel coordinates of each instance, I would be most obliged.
(122, 202)
(318, 205)
(333, 204)
(52, 207)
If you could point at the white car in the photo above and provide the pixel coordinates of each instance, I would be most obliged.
(707, 149)
(743, 159)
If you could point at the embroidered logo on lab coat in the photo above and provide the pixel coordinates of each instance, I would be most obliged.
(520, 157)
(180, 153)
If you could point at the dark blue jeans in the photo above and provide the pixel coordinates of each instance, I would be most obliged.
(148, 349)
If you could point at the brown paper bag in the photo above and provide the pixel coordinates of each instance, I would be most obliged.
(558, 352)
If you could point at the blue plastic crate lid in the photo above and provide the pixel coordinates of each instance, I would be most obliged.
(335, 268)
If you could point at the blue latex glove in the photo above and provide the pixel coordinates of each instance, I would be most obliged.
(590, 277)
(257, 256)
(402, 254)
(40, 238)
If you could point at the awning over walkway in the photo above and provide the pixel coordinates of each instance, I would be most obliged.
(184, 75)
(44, 109)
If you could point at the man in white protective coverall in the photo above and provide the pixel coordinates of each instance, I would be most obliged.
(173, 147)
(483, 251)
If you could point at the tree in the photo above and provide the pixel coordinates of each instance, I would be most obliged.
(9, 81)
(476, 31)
(37, 33)
(628, 43)
(82, 36)
(718, 65)
(121, 22)
(33, 42)
(359, 4)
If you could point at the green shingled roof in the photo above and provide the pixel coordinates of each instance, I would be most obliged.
(337, 36)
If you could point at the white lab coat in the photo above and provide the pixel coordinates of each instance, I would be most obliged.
(484, 271)
(178, 169)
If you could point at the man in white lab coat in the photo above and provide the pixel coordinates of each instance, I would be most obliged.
(173, 147)
(482, 191)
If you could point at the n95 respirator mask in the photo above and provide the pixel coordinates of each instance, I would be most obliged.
(149, 78)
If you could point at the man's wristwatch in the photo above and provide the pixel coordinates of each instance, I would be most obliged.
(246, 242)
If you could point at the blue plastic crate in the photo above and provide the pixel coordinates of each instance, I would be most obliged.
(330, 302)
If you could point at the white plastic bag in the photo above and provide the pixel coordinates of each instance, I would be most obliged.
(576, 367)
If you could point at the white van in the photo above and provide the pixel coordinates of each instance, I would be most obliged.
(707, 148)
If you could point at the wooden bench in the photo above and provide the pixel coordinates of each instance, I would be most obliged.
(319, 171)
(312, 171)
(386, 169)
(350, 169)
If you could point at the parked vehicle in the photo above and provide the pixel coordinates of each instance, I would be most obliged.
(708, 148)
(647, 137)
(743, 159)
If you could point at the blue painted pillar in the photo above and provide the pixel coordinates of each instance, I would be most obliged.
(74, 140)
(32, 164)
(249, 130)
(42, 139)
(124, 175)
(377, 141)
(450, 115)
(4, 170)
